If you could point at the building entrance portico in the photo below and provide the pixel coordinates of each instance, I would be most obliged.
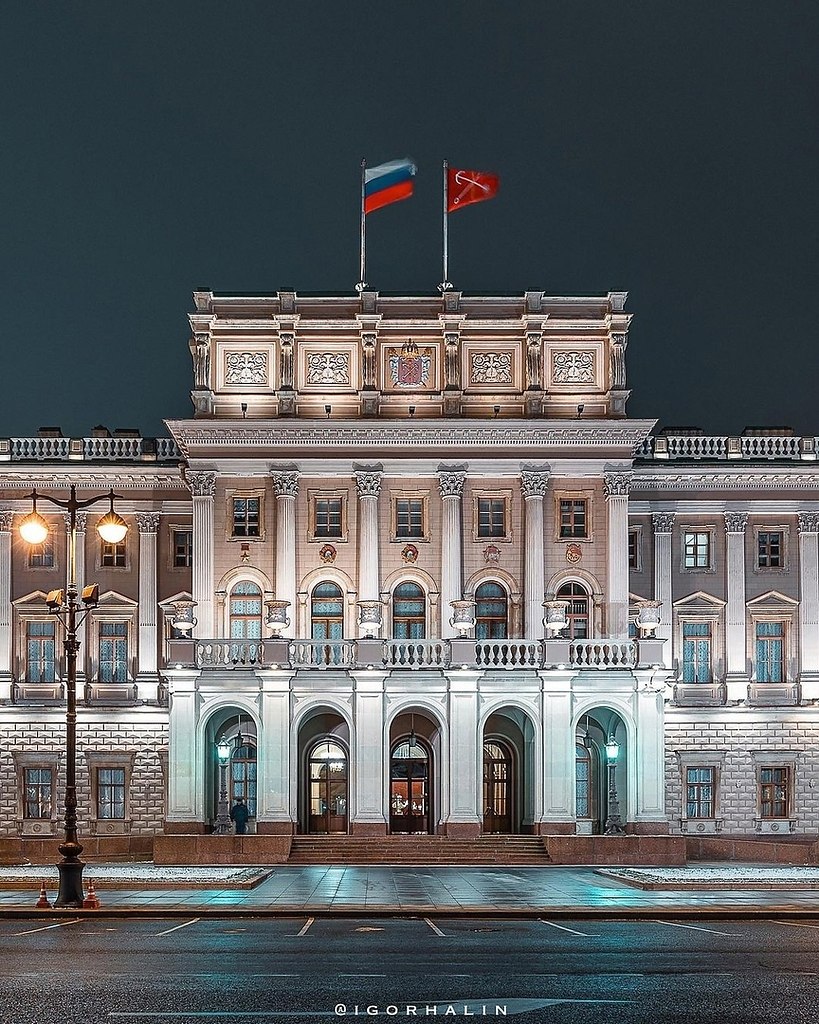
(324, 797)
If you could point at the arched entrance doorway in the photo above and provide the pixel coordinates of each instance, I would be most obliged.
(238, 773)
(594, 773)
(498, 781)
(328, 796)
(508, 772)
(409, 786)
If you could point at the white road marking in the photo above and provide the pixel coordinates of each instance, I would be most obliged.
(795, 924)
(45, 928)
(307, 924)
(563, 928)
(434, 927)
(176, 927)
(694, 928)
(361, 975)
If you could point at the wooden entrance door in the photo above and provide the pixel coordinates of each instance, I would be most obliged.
(497, 787)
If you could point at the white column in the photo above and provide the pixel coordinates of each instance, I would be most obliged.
(465, 756)
(663, 523)
(6, 521)
(558, 754)
(650, 759)
(809, 604)
(368, 483)
(451, 483)
(369, 816)
(186, 802)
(273, 795)
(736, 678)
(82, 628)
(615, 487)
(286, 486)
(203, 488)
(148, 523)
(533, 484)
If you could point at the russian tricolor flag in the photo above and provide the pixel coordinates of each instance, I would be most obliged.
(388, 183)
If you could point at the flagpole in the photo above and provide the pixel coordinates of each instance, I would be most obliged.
(445, 285)
(362, 284)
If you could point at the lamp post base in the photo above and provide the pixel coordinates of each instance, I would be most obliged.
(70, 868)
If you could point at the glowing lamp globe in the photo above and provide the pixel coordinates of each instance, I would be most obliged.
(112, 527)
(33, 528)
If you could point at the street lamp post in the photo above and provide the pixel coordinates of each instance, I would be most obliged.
(614, 826)
(222, 824)
(65, 605)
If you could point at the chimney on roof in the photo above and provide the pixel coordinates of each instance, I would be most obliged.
(49, 432)
(100, 431)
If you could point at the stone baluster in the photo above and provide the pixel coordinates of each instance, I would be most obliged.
(203, 489)
(616, 488)
(533, 485)
(286, 487)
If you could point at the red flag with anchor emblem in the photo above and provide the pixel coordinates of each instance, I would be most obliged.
(466, 187)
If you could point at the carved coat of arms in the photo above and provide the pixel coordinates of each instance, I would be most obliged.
(573, 553)
(411, 367)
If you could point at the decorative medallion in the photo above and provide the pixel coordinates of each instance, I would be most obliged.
(245, 368)
(573, 553)
(409, 553)
(327, 553)
(328, 368)
(573, 368)
(491, 554)
(411, 368)
(491, 368)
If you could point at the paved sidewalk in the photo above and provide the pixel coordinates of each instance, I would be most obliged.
(481, 891)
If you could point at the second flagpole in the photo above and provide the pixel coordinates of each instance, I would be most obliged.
(362, 283)
(445, 286)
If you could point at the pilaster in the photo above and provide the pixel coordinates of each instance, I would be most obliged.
(616, 488)
(736, 678)
(286, 487)
(465, 756)
(451, 482)
(81, 520)
(558, 757)
(147, 677)
(369, 817)
(809, 605)
(274, 812)
(203, 488)
(368, 484)
(663, 524)
(184, 780)
(6, 522)
(533, 486)
(650, 759)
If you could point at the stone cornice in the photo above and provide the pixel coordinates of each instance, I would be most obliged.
(120, 479)
(784, 478)
(481, 435)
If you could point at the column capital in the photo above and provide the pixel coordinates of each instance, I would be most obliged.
(451, 481)
(534, 482)
(286, 484)
(80, 518)
(735, 521)
(808, 522)
(368, 483)
(663, 522)
(6, 520)
(616, 485)
(148, 522)
(202, 485)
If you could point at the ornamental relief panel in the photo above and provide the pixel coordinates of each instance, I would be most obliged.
(246, 368)
(328, 368)
(575, 365)
(573, 368)
(490, 368)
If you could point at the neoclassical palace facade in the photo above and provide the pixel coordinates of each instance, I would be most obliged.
(413, 562)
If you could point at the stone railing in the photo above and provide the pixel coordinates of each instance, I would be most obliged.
(744, 446)
(395, 655)
(98, 449)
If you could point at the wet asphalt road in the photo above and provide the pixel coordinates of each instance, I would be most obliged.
(259, 971)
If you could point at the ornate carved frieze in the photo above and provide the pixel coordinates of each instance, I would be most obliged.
(6, 519)
(245, 368)
(616, 485)
(490, 368)
(735, 522)
(451, 483)
(199, 345)
(573, 368)
(452, 362)
(534, 360)
(809, 522)
(617, 374)
(727, 481)
(202, 485)
(534, 483)
(663, 522)
(80, 520)
(285, 483)
(368, 484)
(148, 522)
(328, 367)
(286, 341)
(368, 341)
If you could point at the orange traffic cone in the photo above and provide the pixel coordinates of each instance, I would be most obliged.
(42, 903)
(91, 901)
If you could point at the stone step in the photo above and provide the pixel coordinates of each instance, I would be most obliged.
(418, 850)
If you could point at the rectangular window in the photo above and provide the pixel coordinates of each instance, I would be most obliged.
(246, 517)
(113, 652)
(409, 517)
(696, 652)
(770, 652)
(182, 541)
(774, 792)
(327, 517)
(37, 789)
(491, 517)
(41, 666)
(573, 517)
(697, 549)
(699, 792)
(41, 556)
(110, 793)
(113, 555)
(770, 549)
(635, 538)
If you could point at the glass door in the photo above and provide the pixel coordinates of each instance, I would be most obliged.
(409, 788)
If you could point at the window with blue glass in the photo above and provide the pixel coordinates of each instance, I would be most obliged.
(110, 793)
(582, 781)
(113, 652)
(696, 652)
(409, 612)
(40, 652)
(327, 612)
(491, 612)
(246, 611)
(770, 652)
(243, 776)
(699, 792)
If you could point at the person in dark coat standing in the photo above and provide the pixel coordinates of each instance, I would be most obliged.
(239, 813)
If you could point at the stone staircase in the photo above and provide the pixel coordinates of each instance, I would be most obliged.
(418, 850)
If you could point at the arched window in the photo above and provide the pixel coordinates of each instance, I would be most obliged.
(243, 775)
(327, 799)
(327, 612)
(246, 611)
(577, 599)
(409, 612)
(492, 612)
